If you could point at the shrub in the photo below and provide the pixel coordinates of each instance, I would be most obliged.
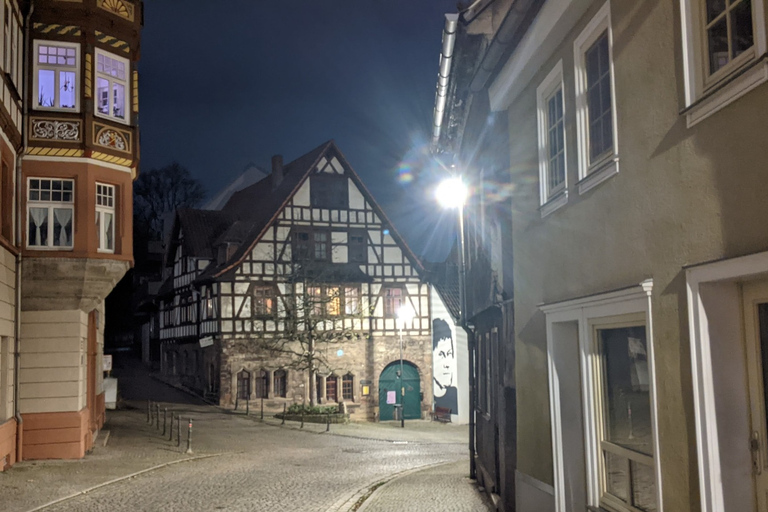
(312, 410)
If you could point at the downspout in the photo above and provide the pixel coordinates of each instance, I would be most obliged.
(444, 74)
(470, 340)
(19, 190)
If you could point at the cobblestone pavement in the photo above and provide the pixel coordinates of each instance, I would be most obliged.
(443, 488)
(244, 464)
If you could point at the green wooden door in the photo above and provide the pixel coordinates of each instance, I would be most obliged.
(389, 381)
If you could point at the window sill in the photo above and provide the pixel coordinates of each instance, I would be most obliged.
(75, 110)
(720, 97)
(41, 248)
(557, 201)
(599, 174)
(105, 117)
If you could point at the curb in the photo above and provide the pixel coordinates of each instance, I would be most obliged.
(348, 502)
(121, 478)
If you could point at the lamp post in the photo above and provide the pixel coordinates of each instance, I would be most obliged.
(405, 314)
(452, 193)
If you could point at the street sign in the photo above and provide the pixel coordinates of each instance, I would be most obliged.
(206, 342)
(107, 362)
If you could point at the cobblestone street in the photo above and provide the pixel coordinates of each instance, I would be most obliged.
(242, 463)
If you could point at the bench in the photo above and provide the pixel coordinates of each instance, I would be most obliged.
(442, 414)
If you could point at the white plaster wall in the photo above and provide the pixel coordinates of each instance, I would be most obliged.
(532, 495)
(302, 195)
(7, 306)
(356, 200)
(53, 362)
(461, 353)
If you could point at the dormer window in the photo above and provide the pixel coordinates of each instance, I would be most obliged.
(57, 66)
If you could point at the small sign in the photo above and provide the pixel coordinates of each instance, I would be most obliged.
(206, 342)
(365, 382)
(107, 361)
(366, 390)
(391, 397)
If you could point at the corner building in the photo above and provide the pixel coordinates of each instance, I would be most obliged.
(79, 159)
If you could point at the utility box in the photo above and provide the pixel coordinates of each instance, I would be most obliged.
(110, 392)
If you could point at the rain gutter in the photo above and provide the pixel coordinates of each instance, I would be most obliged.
(444, 74)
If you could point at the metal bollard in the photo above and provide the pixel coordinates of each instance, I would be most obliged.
(170, 429)
(284, 409)
(328, 423)
(247, 406)
(189, 437)
(149, 408)
(157, 416)
(302, 419)
(178, 431)
(165, 419)
(262, 409)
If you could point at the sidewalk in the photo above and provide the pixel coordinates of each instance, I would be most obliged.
(441, 488)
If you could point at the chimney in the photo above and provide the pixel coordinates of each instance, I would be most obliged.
(277, 171)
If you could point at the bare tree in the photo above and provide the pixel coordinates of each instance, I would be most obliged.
(159, 192)
(318, 319)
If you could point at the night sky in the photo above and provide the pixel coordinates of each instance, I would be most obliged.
(230, 82)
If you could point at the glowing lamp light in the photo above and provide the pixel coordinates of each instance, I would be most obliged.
(451, 193)
(406, 313)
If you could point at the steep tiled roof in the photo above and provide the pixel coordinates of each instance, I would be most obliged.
(445, 278)
(199, 227)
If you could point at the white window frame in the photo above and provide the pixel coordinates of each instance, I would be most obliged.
(50, 205)
(705, 95)
(585, 313)
(592, 174)
(36, 77)
(550, 200)
(112, 80)
(101, 211)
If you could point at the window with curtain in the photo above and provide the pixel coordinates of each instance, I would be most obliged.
(105, 217)
(50, 212)
(111, 85)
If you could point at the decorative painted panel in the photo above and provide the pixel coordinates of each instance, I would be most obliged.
(120, 8)
(55, 129)
(111, 138)
(54, 29)
(112, 41)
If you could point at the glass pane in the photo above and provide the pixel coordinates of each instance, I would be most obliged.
(118, 100)
(762, 316)
(62, 227)
(102, 95)
(38, 226)
(616, 478)
(643, 487)
(717, 35)
(98, 230)
(46, 93)
(741, 27)
(109, 231)
(626, 390)
(714, 7)
(67, 89)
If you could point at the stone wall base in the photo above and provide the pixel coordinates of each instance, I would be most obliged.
(7, 444)
(56, 435)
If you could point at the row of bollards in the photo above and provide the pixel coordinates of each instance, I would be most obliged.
(153, 417)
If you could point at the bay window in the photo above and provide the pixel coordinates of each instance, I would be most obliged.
(50, 212)
(57, 66)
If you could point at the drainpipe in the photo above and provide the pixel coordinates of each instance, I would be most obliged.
(19, 190)
(444, 74)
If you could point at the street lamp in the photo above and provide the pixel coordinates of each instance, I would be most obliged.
(405, 314)
(452, 193)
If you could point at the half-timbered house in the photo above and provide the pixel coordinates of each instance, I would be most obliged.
(237, 277)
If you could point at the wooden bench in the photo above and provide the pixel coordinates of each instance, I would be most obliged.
(442, 414)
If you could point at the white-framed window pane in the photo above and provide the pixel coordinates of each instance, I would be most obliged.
(616, 476)
(38, 226)
(351, 301)
(109, 231)
(597, 59)
(118, 100)
(46, 94)
(643, 486)
(67, 89)
(62, 227)
(102, 95)
(555, 142)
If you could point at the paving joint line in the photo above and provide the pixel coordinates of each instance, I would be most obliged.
(125, 477)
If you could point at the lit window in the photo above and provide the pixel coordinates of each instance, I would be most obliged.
(264, 301)
(56, 71)
(315, 301)
(333, 297)
(394, 297)
(50, 209)
(111, 85)
(552, 152)
(105, 217)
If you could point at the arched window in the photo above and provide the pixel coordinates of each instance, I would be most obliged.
(261, 384)
(280, 382)
(347, 387)
(331, 383)
(244, 385)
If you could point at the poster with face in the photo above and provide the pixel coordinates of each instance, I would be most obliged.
(444, 366)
